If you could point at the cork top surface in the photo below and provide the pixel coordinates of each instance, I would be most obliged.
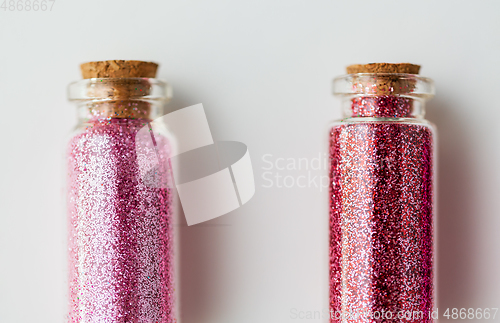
(118, 68)
(404, 68)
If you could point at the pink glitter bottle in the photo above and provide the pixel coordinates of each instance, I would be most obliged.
(382, 197)
(120, 225)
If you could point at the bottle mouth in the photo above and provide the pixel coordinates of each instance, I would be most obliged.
(377, 84)
(113, 89)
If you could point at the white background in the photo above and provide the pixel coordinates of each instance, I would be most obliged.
(263, 71)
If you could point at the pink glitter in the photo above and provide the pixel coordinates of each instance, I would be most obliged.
(381, 216)
(120, 230)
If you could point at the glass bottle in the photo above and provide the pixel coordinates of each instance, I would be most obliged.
(120, 224)
(382, 197)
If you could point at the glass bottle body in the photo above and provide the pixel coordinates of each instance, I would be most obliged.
(121, 265)
(381, 207)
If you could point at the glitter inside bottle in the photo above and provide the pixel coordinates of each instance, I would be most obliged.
(382, 197)
(120, 227)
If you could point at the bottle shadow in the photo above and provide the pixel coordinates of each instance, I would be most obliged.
(199, 255)
(456, 228)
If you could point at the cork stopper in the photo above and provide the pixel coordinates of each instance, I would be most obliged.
(404, 68)
(389, 82)
(122, 82)
(118, 68)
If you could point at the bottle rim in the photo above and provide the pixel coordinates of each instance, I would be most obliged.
(375, 84)
(113, 89)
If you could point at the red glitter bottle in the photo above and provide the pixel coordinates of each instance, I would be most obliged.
(120, 224)
(382, 197)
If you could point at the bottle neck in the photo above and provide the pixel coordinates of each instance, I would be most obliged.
(104, 111)
(382, 106)
(383, 95)
(104, 99)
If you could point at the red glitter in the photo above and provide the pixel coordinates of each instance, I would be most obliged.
(383, 106)
(381, 216)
